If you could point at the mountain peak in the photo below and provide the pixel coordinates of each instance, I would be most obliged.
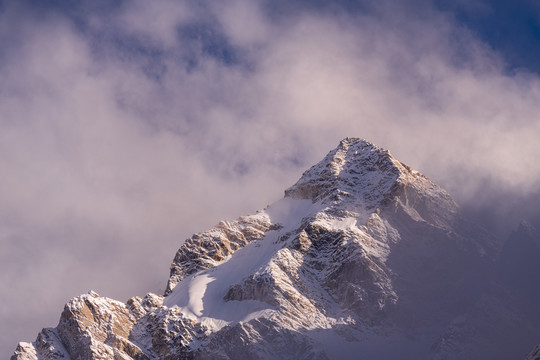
(360, 243)
(357, 169)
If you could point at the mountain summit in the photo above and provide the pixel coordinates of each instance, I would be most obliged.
(364, 256)
(361, 175)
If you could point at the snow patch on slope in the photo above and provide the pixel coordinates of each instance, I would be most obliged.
(201, 296)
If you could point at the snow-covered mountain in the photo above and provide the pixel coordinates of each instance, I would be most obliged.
(364, 257)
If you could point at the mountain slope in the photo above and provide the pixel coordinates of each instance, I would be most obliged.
(364, 255)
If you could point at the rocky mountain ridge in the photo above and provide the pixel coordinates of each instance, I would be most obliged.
(364, 255)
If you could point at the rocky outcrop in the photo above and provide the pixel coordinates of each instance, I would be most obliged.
(206, 250)
(94, 327)
(90, 327)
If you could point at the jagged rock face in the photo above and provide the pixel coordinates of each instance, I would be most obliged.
(90, 328)
(94, 327)
(362, 252)
(97, 327)
(205, 250)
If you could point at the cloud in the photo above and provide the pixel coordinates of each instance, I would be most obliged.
(121, 138)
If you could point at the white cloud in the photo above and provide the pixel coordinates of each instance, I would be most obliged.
(243, 21)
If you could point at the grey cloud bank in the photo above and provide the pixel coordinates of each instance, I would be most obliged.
(124, 132)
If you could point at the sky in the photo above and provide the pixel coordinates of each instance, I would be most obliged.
(127, 126)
